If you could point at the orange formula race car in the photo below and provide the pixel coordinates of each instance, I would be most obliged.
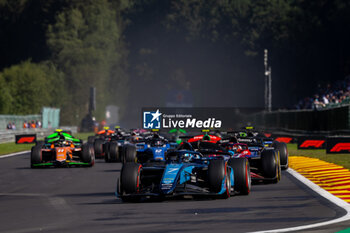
(61, 149)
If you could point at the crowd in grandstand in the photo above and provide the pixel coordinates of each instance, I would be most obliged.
(26, 125)
(328, 96)
(31, 124)
(11, 125)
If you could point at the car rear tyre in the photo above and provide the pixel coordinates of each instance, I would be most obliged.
(98, 146)
(105, 149)
(241, 173)
(271, 165)
(278, 159)
(35, 156)
(122, 154)
(91, 139)
(114, 152)
(87, 155)
(217, 172)
(282, 148)
(107, 153)
(130, 154)
(130, 180)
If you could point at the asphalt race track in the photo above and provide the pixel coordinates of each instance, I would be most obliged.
(82, 200)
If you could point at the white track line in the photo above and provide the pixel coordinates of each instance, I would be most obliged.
(14, 154)
(337, 201)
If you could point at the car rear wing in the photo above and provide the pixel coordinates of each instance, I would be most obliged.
(185, 137)
(255, 145)
(246, 140)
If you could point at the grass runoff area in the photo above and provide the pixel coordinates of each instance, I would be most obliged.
(339, 159)
(12, 147)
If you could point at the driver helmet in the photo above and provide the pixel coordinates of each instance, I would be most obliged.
(135, 138)
(234, 148)
(187, 157)
(59, 131)
(158, 143)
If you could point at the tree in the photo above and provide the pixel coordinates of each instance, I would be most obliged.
(27, 87)
(86, 44)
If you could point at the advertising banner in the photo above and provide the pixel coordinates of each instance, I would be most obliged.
(25, 138)
(311, 142)
(338, 145)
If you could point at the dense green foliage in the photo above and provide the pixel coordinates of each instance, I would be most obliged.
(260, 23)
(86, 45)
(308, 40)
(61, 48)
(85, 49)
(26, 87)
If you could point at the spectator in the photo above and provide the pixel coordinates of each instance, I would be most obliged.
(13, 126)
(103, 124)
(338, 94)
(25, 124)
(9, 125)
(96, 125)
(325, 99)
(32, 125)
(38, 124)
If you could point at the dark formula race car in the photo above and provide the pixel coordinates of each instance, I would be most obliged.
(184, 173)
(261, 138)
(264, 161)
(109, 144)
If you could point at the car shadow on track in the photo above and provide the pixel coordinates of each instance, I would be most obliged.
(149, 200)
(111, 170)
(23, 168)
(102, 194)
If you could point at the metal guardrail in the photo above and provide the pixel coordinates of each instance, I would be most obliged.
(9, 135)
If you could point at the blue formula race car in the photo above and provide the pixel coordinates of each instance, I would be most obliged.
(184, 173)
(149, 149)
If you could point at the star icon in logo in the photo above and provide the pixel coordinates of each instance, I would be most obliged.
(156, 115)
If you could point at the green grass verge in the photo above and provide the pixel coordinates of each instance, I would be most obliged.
(11, 147)
(340, 159)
